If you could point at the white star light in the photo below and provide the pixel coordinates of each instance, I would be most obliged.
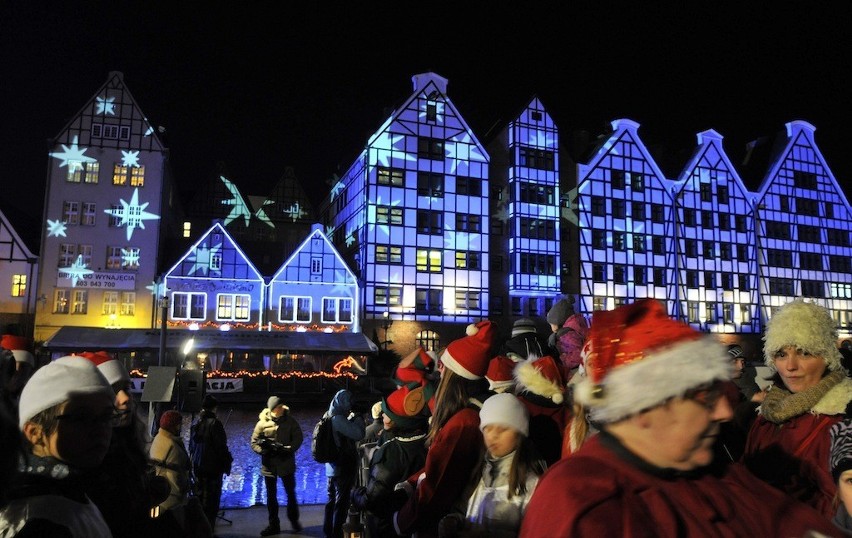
(329, 230)
(130, 257)
(462, 149)
(55, 228)
(460, 240)
(385, 150)
(132, 214)
(240, 209)
(542, 139)
(130, 158)
(342, 284)
(295, 211)
(73, 155)
(157, 289)
(105, 106)
(201, 258)
(336, 190)
(261, 213)
(350, 239)
(76, 271)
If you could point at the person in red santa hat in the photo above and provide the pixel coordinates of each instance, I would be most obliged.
(653, 386)
(541, 388)
(455, 443)
(19, 365)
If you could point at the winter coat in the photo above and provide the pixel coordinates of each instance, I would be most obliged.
(346, 433)
(42, 505)
(603, 490)
(568, 341)
(490, 509)
(547, 425)
(283, 430)
(209, 435)
(451, 458)
(172, 462)
(774, 452)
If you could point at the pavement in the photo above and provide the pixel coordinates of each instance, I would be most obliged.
(250, 521)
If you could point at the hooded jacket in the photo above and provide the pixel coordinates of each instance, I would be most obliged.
(346, 433)
(283, 430)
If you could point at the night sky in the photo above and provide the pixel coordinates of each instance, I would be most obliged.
(255, 89)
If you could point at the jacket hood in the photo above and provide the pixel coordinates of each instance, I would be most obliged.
(341, 404)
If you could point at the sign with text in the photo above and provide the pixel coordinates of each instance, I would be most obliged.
(220, 385)
(103, 281)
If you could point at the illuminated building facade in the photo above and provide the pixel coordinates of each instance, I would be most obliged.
(18, 270)
(106, 186)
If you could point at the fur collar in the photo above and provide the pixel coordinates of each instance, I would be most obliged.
(835, 400)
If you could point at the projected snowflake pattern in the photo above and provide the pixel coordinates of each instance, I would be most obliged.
(157, 289)
(295, 211)
(350, 238)
(343, 287)
(72, 155)
(132, 214)
(148, 131)
(202, 257)
(501, 214)
(385, 150)
(130, 257)
(105, 106)
(439, 109)
(76, 271)
(130, 158)
(460, 150)
(336, 190)
(240, 209)
(541, 139)
(329, 230)
(261, 213)
(372, 217)
(56, 228)
(460, 240)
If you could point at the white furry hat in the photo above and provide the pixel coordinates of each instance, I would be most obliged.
(638, 357)
(806, 326)
(505, 409)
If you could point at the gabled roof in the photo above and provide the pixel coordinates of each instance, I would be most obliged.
(12, 248)
(343, 275)
(709, 147)
(235, 265)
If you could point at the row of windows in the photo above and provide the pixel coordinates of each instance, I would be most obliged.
(429, 183)
(637, 209)
(88, 172)
(431, 222)
(117, 257)
(426, 300)
(237, 307)
(115, 132)
(85, 214)
(806, 206)
(711, 312)
(77, 302)
(428, 260)
(522, 306)
(807, 234)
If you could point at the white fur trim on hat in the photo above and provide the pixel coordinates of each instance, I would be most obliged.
(22, 355)
(806, 326)
(114, 371)
(56, 382)
(505, 409)
(643, 384)
(531, 379)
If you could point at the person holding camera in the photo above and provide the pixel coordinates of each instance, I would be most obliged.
(276, 437)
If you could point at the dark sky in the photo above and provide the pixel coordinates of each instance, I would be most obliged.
(259, 88)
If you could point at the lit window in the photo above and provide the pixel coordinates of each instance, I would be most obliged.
(232, 307)
(19, 285)
(187, 229)
(60, 302)
(727, 313)
(83, 172)
(429, 340)
(79, 302)
(428, 260)
(128, 303)
(467, 300)
(71, 213)
(137, 176)
(113, 258)
(598, 303)
(467, 259)
(189, 305)
(390, 176)
(88, 218)
(67, 254)
(110, 306)
(388, 254)
(692, 312)
(119, 175)
(388, 295)
(710, 313)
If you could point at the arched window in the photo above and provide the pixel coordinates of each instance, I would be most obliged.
(429, 340)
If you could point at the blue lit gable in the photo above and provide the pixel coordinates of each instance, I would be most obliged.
(215, 284)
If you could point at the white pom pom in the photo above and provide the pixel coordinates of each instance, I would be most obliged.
(557, 398)
(471, 329)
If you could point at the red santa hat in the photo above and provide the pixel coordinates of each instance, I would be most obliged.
(468, 356)
(499, 374)
(415, 367)
(20, 348)
(112, 369)
(542, 376)
(638, 357)
(403, 407)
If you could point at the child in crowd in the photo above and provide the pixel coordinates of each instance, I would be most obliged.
(66, 414)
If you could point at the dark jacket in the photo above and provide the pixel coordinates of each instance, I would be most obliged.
(346, 433)
(209, 446)
(276, 440)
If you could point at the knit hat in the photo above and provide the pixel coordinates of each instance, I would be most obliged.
(543, 377)
(735, 351)
(273, 402)
(56, 382)
(112, 369)
(638, 357)
(505, 409)
(20, 348)
(468, 356)
(171, 421)
(403, 409)
(840, 457)
(806, 326)
(415, 366)
(499, 374)
(209, 402)
(561, 311)
(523, 325)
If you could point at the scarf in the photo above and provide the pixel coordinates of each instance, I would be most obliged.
(781, 405)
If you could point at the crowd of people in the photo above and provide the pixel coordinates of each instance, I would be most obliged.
(632, 425)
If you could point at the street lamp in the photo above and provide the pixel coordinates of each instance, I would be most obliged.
(386, 325)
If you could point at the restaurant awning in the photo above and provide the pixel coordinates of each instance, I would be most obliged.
(95, 338)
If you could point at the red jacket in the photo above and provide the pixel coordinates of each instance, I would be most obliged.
(598, 492)
(451, 458)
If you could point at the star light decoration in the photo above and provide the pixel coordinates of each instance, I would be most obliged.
(350, 238)
(130, 257)
(372, 211)
(72, 156)
(336, 190)
(384, 148)
(343, 285)
(329, 230)
(261, 213)
(239, 207)
(541, 139)
(132, 214)
(295, 211)
(460, 150)
(158, 289)
(201, 258)
(56, 228)
(130, 158)
(105, 106)
(76, 271)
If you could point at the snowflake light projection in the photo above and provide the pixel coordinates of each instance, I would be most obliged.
(132, 214)
(76, 271)
(105, 106)
(461, 149)
(439, 111)
(72, 156)
(502, 214)
(157, 289)
(296, 211)
(240, 209)
(372, 209)
(385, 147)
(130, 158)
(336, 190)
(460, 240)
(130, 257)
(261, 213)
(202, 257)
(342, 286)
(329, 230)
(56, 228)
(541, 139)
(350, 238)
(148, 131)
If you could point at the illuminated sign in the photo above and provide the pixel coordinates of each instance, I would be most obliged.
(94, 280)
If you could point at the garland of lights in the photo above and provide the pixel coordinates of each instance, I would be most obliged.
(294, 327)
(338, 372)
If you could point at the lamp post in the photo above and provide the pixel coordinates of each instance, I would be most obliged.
(386, 325)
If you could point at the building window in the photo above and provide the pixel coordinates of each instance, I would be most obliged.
(745, 313)
(707, 219)
(838, 238)
(114, 218)
(110, 304)
(709, 250)
(468, 222)
(388, 215)
(709, 279)
(742, 253)
(784, 203)
(640, 275)
(496, 262)
(724, 221)
(430, 148)
(429, 340)
(689, 217)
(813, 288)
(388, 254)
(532, 193)
(637, 210)
(187, 229)
(722, 194)
(727, 313)
(779, 258)
(430, 184)
(119, 175)
(67, 254)
(191, 306)
(394, 177)
(428, 260)
(710, 314)
(130, 258)
(692, 279)
(468, 259)
(743, 282)
(428, 300)
(538, 228)
(828, 209)
(598, 206)
(430, 222)
(782, 286)
(467, 300)
(659, 276)
(840, 264)
(599, 272)
(516, 306)
(61, 303)
(840, 291)
(619, 240)
(657, 213)
(804, 180)
(537, 264)
(128, 303)
(336, 310)
(598, 238)
(496, 305)
(88, 216)
(232, 307)
(388, 295)
(79, 302)
(658, 244)
(598, 303)
(639, 243)
(619, 274)
(431, 112)
(137, 176)
(691, 248)
(80, 172)
(71, 213)
(706, 190)
(113, 258)
(740, 223)
(777, 230)
(536, 158)
(532, 306)
(807, 206)
(692, 312)
(294, 309)
(811, 261)
(725, 252)
(617, 179)
(809, 234)
(316, 265)
(619, 209)
(19, 285)
(637, 182)
(84, 253)
(469, 186)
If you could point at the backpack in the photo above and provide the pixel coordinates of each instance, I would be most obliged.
(323, 447)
